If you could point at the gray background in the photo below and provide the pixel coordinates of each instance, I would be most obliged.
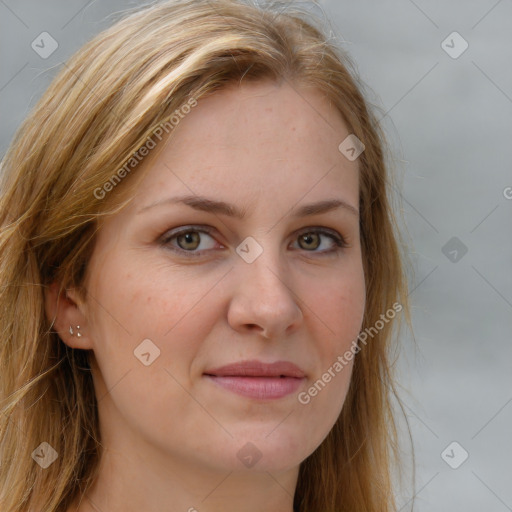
(450, 124)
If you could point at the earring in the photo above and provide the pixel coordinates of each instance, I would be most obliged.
(78, 333)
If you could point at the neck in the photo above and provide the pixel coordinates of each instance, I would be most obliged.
(123, 488)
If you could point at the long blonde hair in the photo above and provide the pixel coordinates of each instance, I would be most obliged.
(99, 110)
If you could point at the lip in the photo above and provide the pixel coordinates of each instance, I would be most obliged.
(258, 380)
(255, 368)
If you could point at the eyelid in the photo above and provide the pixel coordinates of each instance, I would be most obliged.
(173, 233)
(337, 238)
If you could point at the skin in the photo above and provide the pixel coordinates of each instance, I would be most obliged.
(171, 436)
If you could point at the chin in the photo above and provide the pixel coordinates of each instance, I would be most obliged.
(267, 450)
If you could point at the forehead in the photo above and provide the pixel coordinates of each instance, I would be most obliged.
(254, 140)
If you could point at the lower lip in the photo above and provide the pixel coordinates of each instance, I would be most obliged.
(261, 388)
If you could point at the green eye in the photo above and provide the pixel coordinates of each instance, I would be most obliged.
(187, 241)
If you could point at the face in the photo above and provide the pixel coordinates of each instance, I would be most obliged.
(177, 291)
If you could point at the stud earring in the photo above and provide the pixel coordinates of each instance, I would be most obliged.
(78, 333)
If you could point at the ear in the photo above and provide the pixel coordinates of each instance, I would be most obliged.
(66, 310)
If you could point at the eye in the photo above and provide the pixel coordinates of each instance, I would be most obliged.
(188, 241)
(312, 239)
(193, 240)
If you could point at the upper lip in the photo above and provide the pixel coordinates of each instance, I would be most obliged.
(255, 368)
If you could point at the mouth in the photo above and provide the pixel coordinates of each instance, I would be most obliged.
(258, 380)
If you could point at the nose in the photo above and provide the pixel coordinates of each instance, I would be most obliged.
(264, 301)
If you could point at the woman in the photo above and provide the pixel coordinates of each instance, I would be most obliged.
(200, 275)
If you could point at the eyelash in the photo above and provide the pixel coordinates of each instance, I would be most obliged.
(338, 240)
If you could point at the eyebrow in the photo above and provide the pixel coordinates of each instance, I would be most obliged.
(220, 207)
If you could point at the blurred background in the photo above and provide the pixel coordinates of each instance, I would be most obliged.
(439, 75)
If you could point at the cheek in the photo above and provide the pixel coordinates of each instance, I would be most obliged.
(173, 310)
(176, 315)
(339, 306)
(338, 316)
